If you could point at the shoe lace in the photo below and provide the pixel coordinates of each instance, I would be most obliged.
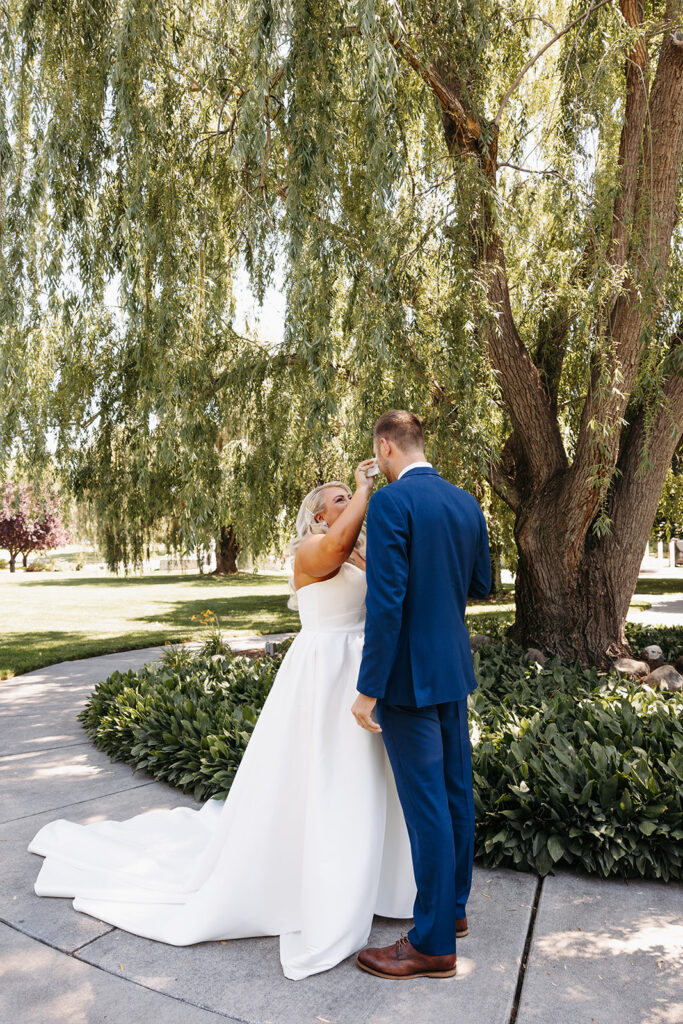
(401, 942)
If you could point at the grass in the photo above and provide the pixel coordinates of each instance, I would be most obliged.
(660, 585)
(51, 617)
(57, 616)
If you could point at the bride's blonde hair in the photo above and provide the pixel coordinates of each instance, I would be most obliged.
(306, 524)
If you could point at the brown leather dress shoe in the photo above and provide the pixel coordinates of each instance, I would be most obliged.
(401, 960)
(461, 929)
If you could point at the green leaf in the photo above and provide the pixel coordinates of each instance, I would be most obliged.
(556, 848)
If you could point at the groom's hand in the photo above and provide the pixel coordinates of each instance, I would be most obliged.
(361, 711)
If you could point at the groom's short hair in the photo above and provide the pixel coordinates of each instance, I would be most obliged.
(402, 427)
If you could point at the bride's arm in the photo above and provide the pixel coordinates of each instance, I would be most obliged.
(322, 553)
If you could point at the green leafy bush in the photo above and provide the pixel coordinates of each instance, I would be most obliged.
(187, 722)
(669, 638)
(571, 767)
(575, 768)
(493, 624)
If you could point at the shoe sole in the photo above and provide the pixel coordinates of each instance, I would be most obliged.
(406, 977)
(461, 935)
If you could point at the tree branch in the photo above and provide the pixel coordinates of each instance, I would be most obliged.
(645, 461)
(635, 115)
(544, 171)
(521, 385)
(532, 60)
(467, 127)
(504, 485)
(659, 149)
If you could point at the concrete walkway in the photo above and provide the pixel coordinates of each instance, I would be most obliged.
(569, 950)
(664, 610)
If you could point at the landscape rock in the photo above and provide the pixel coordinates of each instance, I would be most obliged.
(665, 674)
(631, 667)
(479, 640)
(653, 655)
(534, 656)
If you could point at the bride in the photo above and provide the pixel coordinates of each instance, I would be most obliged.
(311, 840)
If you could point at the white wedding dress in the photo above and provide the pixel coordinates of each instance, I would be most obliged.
(310, 842)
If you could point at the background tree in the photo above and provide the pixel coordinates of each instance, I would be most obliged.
(669, 516)
(30, 521)
(473, 205)
(16, 521)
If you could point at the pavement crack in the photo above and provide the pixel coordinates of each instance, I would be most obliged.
(77, 949)
(75, 803)
(525, 954)
(122, 977)
(42, 750)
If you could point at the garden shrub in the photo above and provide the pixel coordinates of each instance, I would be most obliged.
(669, 638)
(575, 768)
(187, 723)
(572, 767)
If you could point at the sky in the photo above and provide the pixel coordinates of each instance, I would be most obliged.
(267, 322)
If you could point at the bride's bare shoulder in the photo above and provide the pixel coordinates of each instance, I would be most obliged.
(307, 563)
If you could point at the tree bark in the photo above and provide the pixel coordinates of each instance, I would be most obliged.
(12, 561)
(574, 584)
(582, 614)
(227, 550)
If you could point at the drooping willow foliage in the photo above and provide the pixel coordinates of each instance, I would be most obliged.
(152, 149)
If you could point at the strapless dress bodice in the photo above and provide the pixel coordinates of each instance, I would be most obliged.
(336, 605)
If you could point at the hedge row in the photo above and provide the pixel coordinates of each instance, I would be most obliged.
(571, 767)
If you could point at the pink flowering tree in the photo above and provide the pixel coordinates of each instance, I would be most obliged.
(30, 521)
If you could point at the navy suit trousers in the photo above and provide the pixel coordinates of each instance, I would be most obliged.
(430, 754)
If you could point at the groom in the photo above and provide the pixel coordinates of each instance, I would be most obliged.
(427, 551)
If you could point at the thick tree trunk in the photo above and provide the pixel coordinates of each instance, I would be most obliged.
(575, 613)
(227, 550)
(24, 557)
(12, 562)
(579, 609)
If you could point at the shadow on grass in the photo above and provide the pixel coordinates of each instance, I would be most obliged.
(24, 652)
(246, 579)
(660, 586)
(259, 613)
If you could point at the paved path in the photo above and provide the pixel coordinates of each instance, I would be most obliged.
(664, 610)
(570, 950)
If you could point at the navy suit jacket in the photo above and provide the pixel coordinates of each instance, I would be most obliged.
(427, 551)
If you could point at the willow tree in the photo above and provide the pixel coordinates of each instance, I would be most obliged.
(473, 203)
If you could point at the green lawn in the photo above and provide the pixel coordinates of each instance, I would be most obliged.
(50, 617)
(660, 585)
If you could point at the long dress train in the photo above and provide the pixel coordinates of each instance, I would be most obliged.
(310, 842)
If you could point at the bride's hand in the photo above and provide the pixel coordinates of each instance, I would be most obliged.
(363, 482)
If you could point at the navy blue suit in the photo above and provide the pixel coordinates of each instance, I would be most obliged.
(427, 551)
